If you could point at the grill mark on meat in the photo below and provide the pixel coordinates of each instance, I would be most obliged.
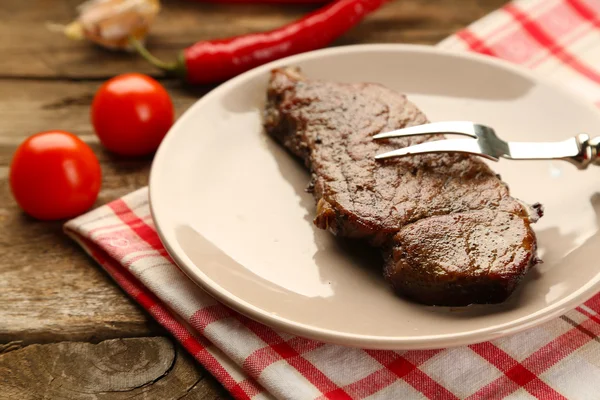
(446, 225)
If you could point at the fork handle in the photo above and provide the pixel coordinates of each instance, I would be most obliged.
(589, 151)
(594, 145)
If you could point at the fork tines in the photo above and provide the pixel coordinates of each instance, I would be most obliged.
(469, 146)
(453, 127)
(465, 128)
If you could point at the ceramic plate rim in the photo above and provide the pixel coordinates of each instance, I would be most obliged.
(365, 341)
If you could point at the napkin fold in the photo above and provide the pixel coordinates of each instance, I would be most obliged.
(559, 359)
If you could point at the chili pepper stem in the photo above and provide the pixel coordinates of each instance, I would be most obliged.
(173, 68)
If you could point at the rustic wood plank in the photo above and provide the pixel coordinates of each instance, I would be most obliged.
(30, 106)
(10, 346)
(148, 368)
(50, 290)
(29, 50)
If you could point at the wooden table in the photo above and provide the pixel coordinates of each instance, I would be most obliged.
(66, 330)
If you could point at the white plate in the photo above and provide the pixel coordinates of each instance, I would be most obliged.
(230, 206)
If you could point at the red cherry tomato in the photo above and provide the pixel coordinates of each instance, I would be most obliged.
(55, 175)
(131, 114)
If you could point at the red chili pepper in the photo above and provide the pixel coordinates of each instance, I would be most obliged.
(218, 60)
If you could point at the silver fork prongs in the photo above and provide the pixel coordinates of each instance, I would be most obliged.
(580, 150)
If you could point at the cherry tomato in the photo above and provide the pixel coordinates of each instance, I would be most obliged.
(131, 114)
(55, 175)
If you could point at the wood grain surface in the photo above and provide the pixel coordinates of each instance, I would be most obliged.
(50, 291)
(118, 369)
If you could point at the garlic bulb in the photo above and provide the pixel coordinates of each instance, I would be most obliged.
(112, 23)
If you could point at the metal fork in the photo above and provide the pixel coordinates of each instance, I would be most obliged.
(580, 150)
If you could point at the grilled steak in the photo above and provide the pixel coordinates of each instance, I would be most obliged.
(447, 227)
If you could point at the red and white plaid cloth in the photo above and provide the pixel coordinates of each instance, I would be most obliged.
(560, 359)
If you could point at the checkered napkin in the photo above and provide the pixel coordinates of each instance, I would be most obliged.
(560, 359)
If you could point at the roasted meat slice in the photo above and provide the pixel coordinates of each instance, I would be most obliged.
(474, 257)
(443, 198)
